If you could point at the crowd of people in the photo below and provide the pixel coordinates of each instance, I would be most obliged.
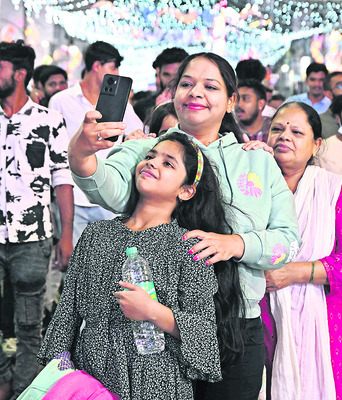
(230, 191)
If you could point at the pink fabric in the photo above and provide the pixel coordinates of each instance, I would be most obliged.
(270, 337)
(333, 267)
(78, 385)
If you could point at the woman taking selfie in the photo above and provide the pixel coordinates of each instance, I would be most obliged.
(264, 228)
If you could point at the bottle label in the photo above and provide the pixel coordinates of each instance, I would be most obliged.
(149, 288)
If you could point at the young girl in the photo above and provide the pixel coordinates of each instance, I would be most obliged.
(173, 194)
(265, 231)
(162, 118)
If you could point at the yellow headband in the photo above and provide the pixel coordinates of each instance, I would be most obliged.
(200, 165)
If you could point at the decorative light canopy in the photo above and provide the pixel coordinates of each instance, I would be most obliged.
(263, 29)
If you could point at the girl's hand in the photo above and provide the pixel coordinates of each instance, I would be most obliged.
(278, 279)
(135, 303)
(256, 144)
(138, 134)
(220, 247)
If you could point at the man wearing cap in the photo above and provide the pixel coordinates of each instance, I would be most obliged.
(100, 58)
(33, 159)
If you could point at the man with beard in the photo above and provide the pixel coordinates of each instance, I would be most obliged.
(333, 89)
(249, 107)
(166, 65)
(33, 159)
(254, 69)
(315, 76)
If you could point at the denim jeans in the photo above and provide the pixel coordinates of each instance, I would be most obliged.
(26, 265)
(242, 380)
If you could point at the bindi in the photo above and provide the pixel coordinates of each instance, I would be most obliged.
(287, 123)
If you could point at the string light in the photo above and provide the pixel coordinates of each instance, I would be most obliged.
(262, 29)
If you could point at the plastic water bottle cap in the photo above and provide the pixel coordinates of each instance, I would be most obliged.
(131, 251)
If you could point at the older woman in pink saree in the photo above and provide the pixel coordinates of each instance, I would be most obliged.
(302, 311)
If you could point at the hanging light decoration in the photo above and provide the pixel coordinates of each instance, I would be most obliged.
(261, 29)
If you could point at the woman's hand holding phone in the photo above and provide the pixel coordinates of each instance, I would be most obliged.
(100, 127)
(89, 139)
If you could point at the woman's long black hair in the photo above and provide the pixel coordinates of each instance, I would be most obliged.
(205, 211)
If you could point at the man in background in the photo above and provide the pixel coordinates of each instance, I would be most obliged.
(53, 79)
(47, 80)
(249, 108)
(100, 58)
(276, 100)
(330, 152)
(254, 69)
(166, 65)
(315, 97)
(330, 118)
(33, 160)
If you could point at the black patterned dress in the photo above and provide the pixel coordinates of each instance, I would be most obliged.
(104, 346)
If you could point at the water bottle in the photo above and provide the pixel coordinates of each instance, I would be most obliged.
(148, 337)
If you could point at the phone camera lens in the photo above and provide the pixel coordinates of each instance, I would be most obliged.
(110, 81)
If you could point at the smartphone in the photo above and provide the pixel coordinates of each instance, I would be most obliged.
(113, 98)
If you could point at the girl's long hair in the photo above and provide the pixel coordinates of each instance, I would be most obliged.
(205, 211)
